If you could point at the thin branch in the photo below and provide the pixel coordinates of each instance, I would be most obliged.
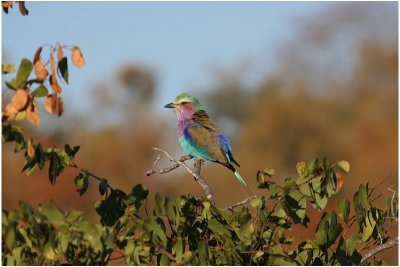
(244, 201)
(168, 169)
(376, 250)
(181, 162)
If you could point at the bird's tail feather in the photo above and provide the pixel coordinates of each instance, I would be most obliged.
(243, 182)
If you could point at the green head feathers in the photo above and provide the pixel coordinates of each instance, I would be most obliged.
(186, 97)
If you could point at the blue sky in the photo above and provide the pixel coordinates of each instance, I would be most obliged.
(179, 40)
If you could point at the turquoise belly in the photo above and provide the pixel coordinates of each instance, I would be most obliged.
(192, 150)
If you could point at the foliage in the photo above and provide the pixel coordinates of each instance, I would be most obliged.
(186, 230)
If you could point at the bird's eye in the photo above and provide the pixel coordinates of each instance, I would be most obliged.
(184, 103)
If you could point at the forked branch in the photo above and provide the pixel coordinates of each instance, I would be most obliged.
(181, 162)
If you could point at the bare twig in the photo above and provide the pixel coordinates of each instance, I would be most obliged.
(166, 170)
(376, 250)
(181, 162)
(244, 201)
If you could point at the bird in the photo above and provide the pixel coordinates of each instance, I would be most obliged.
(200, 137)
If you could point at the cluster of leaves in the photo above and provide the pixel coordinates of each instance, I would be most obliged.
(25, 90)
(191, 231)
(49, 236)
(9, 4)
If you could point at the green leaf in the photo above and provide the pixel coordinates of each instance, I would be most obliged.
(203, 253)
(71, 152)
(7, 68)
(40, 155)
(218, 228)
(30, 164)
(63, 68)
(24, 70)
(82, 182)
(269, 171)
(103, 186)
(369, 226)
(10, 237)
(343, 207)
(53, 213)
(150, 224)
(344, 165)
(20, 115)
(137, 195)
(55, 167)
(178, 249)
(112, 208)
(41, 91)
(164, 260)
(261, 180)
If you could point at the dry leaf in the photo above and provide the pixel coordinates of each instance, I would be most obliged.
(53, 78)
(19, 99)
(55, 85)
(7, 3)
(10, 110)
(60, 53)
(54, 105)
(340, 179)
(22, 8)
(40, 70)
(32, 112)
(77, 57)
(52, 65)
(37, 55)
(31, 149)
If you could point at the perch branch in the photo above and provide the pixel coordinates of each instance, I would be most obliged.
(380, 248)
(244, 201)
(181, 162)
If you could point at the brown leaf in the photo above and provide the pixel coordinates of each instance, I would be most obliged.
(22, 8)
(31, 149)
(7, 3)
(10, 110)
(54, 105)
(52, 65)
(40, 70)
(37, 55)
(32, 112)
(340, 179)
(20, 99)
(77, 57)
(55, 85)
(60, 53)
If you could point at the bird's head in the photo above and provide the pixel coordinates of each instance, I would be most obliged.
(185, 105)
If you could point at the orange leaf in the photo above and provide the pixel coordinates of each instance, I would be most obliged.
(19, 99)
(7, 4)
(340, 179)
(32, 112)
(40, 70)
(37, 55)
(60, 53)
(77, 57)
(52, 65)
(31, 149)
(54, 105)
(55, 85)
(10, 110)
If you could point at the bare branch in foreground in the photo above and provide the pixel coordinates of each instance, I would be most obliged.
(181, 162)
(380, 248)
(244, 201)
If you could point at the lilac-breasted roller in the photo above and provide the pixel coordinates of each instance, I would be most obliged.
(200, 136)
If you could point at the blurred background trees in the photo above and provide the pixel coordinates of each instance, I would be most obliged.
(334, 93)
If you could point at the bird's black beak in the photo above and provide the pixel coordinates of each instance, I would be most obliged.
(170, 105)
